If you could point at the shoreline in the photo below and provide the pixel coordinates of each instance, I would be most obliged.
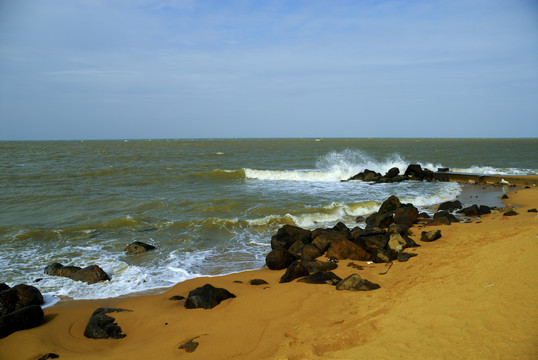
(295, 320)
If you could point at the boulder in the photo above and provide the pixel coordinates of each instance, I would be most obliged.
(345, 249)
(383, 255)
(398, 242)
(444, 217)
(295, 270)
(356, 283)
(18, 297)
(472, 211)
(450, 206)
(366, 175)
(279, 259)
(484, 209)
(428, 236)
(310, 252)
(102, 326)
(392, 172)
(289, 234)
(379, 220)
(391, 204)
(415, 172)
(340, 227)
(403, 257)
(510, 213)
(138, 247)
(370, 238)
(206, 297)
(90, 274)
(321, 277)
(533, 210)
(428, 175)
(314, 266)
(324, 239)
(21, 319)
(406, 215)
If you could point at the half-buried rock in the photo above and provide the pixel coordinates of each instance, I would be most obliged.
(90, 274)
(207, 297)
(428, 236)
(102, 326)
(356, 283)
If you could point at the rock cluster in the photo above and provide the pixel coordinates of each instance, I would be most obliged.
(413, 172)
(20, 308)
(90, 274)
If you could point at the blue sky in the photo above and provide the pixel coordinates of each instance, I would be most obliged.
(115, 69)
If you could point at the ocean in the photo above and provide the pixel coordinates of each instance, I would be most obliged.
(209, 206)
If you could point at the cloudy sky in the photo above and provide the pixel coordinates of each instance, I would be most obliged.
(117, 69)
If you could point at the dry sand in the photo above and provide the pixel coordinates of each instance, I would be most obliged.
(472, 294)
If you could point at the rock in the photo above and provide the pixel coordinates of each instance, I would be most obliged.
(366, 175)
(90, 274)
(450, 206)
(403, 257)
(4, 286)
(379, 220)
(177, 298)
(24, 318)
(532, 210)
(321, 277)
(310, 252)
(341, 227)
(356, 283)
(504, 197)
(296, 248)
(392, 172)
(424, 215)
(314, 266)
(102, 326)
(207, 297)
(406, 215)
(444, 217)
(391, 204)
(510, 213)
(138, 247)
(257, 282)
(18, 297)
(324, 239)
(483, 209)
(279, 259)
(295, 270)
(383, 255)
(345, 249)
(428, 175)
(289, 234)
(48, 356)
(370, 238)
(444, 169)
(398, 229)
(415, 172)
(398, 242)
(428, 236)
(472, 211)
(190, 345)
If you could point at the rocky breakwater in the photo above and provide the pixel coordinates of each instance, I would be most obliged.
(413, 172)
(383, 240)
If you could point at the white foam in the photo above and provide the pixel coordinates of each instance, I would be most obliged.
(489, 170)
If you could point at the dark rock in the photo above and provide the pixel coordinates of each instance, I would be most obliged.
(399, 178)
(398, 242)
(424, 215)
(48, 356)
(90, 274)
(379, 220)
(102, 326)
(428, 236)
(445, 169)
(324, 239)
(190, 345)
(483, 209)
(450, 206)
(445, 217)
(472, 211)
(257, 282)
(428, 175)
(415, 172)
(289, 234)
(321, 277)
(313, 266)
(310, 252)
(532, 210)
(356, 283)
(383, 255)
(392, 172)
(24, 318)
(504, 197)
(371, 239)
(398, 229)
(206, 297)
(4, 286)
(341, 227)
(510, 213)
(18, 297)
(391, 204)
(295, 270)
(279, 259)
(138, 247)
(366, 175)
(345, 249)
(296, 248)
(406, 215)
(177, 298)
(403, 257)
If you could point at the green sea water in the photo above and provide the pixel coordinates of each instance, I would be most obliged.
(209, 206)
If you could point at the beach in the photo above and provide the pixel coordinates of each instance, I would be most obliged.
(470, 294)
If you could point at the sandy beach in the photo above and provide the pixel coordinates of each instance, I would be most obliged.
(469, 295)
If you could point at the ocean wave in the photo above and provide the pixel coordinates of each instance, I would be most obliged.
(489, 170)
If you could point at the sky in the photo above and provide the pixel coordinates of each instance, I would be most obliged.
(140, 69)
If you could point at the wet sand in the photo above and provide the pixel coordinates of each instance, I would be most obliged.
(469, 295)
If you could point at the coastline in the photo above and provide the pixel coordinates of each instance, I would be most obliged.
(473, 291)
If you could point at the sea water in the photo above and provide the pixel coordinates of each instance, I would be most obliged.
(209, 207)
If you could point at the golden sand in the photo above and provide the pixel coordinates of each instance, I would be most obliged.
(472, 294)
